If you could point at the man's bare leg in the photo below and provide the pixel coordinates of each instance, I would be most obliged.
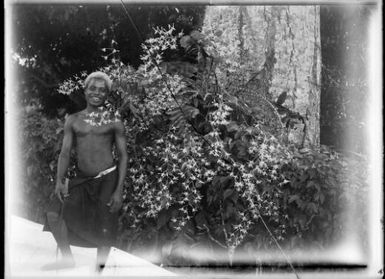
(60, 233)
(101, 257)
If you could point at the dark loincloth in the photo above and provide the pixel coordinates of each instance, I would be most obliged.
(85, 211)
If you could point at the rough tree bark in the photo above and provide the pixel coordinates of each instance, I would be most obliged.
(313, 109)
(281, 47)
(241, 39)
(266, 74)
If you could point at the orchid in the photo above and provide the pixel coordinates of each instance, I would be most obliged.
(230, 175)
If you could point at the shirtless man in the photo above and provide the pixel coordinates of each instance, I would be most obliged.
(85, 211)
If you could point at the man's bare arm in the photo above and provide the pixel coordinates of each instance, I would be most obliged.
(120, 142)
(64, 157)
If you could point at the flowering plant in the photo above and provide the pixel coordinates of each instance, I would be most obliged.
(202, 168)
(101, 117)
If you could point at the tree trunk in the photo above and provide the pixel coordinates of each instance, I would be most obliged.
(266, 75)
(297, 72)
(332, 61)
(282, 54)
(241, 39)
(344, 76)
(313, 109)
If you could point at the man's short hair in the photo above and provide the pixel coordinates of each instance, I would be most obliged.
(98, 75)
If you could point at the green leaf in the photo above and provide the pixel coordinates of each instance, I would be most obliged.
(230, 210)
(163, 218)
(216, 181)
(227, 193)
(232, 127)
(321, 198)
(299, 203)
(226, 181)
(59, 130)
(312, 207)
(293, 198)
(311, 184)
(200, 220)
(185, 41)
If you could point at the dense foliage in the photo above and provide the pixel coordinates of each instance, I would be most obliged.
(51, 42)
(205, 177)
(41, 138)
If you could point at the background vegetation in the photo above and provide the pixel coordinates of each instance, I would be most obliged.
(227, 140)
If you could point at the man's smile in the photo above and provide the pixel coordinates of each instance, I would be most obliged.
(95, 99)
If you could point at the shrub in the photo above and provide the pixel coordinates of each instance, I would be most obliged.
(41, 142)
(204, 174)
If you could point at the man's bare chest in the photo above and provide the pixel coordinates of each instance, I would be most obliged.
(83, 129)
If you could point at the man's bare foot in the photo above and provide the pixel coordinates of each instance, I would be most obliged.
(99, 268)
(60, 264)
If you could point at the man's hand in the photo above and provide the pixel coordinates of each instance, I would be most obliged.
(116, 202)
(61, 189)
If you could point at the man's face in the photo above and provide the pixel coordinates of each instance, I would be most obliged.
(96, 92)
